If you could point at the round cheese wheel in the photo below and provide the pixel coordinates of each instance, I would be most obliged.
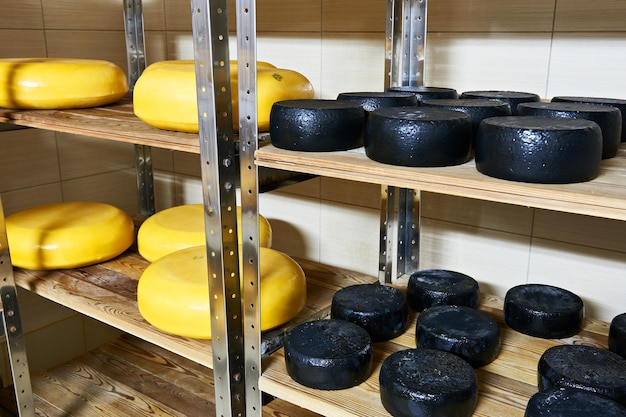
(543, 311)
(588, 368)
(608, 118)
(173, 292)
(68, 235)
(328, 354)
(374, 100)
(427, 93)
(60, 83)
(379, 309)
(539, 149)
(570, 402)
(434, 287)
(182, 227)
(317, 125)
(617, 335)
(427, 383)
(418, 136)
(613, 102)
(165, 94)
(464, 331)
(513, 98)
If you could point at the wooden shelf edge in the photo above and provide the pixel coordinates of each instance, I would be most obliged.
(505, 385)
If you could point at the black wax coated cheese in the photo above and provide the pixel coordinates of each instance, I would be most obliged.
(426, 93)
(418, 136)
(513, 98)
(379, 309)
(613, 102)
(539, 149)
(434, 287)
(588, 368)
(316, 125)
(464, 331)
(570, 402)
(617, 335)
(476, 109)
(608, 118)
(375, 100)
(328, 354)
(543, 311)
(427, 383)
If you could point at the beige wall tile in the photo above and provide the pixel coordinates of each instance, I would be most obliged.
(32, 159)
(118, 188)
(23, 43)
(597, 276)
(107, 45)
(55, 344)
(84, 14)
(178, 15)
(187, 163)
(98, 333)
(81, 156)
(352, 62)
(23, 198)
(354, 16)
(308, 188)
(37, 312)
(164, 189)
(156, 46)
(588, 64)
(483, 61)
(154, 14)
(21, 14)
(490, 16)
(289, 16)
(188, 189)
(581, 15)
(353, 193)
(497, 260)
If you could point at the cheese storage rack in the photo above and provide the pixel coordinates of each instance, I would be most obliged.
(105, 291)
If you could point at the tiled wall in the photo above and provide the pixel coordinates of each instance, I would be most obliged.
(550, 47)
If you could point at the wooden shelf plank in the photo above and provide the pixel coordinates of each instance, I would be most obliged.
(505, 385)
(604, 196)
(115, 122)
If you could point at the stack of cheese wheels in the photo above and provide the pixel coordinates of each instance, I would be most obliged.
(165, 94)
(68, 235)
(59, 83)
(173, 292)
(182, 227)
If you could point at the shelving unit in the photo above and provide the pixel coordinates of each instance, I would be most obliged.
(107, 291)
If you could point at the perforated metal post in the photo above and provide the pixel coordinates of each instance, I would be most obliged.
(219, 175)
(13, 331)
(136, 59)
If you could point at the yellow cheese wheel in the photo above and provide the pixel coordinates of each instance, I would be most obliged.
(68, 235)
(165, 94)
(181, 227)
(59, 83)
(173, 292)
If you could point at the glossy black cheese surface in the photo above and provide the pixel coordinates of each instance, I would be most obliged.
(513, 98)
(570, 402)
(613, 102)
(617, 335)
(543, 311)
(426, 92)
(433, 287)
(539, 149)
(427, 383)
(375, 100)
(381, 310)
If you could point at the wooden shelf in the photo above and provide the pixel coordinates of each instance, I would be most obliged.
(505, 385)
(115, 122)
(604, 196)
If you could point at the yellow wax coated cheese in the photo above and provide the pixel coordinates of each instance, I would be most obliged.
(182, 227)
(68, 235)
(59, 83)
(173, 292)
(165, 94)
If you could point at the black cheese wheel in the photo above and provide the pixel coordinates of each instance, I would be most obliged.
(328, 354)
(513, 98)
(427, 383)
(316, 125)
(608, 118)
(418, 136)
(543, 311)
(613, 102)
(425, 92)
(468, 333)
(375, 100)
(434, 287)
(476, 109)
(379, 309)
(539, 149)
(588, 368)
(617, 335)
(570, 402)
